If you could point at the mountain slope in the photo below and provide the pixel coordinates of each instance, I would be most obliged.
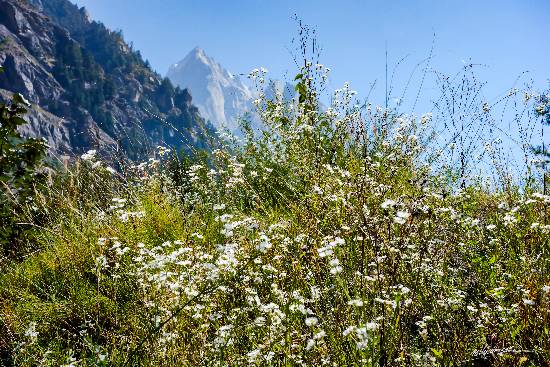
(89, 89)
(221, 97)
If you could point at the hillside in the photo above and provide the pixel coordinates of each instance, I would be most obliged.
(88, 87)
(339, 233)
(326, 241)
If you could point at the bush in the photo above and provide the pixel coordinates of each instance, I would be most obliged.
(20, 159)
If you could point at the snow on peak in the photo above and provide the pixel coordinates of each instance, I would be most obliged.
(221, 97)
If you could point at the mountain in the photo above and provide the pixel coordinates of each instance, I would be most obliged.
(89, 89)
(222, 98)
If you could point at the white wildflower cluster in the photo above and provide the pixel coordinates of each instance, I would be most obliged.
(247, 266)
(118, 207)
(163, 151)
(236, 171)
(343, 97)
(91, 157)
(401, 216)
(31, 333)
(327, 251)
(362, 334)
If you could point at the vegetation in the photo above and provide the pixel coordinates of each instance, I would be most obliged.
(335, 238)
(19, 177)
(84, 81)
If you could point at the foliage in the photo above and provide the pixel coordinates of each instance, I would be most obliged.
(19, 160)
(328, 240)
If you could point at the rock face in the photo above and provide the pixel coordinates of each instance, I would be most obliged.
(89, 89)
(222, 98)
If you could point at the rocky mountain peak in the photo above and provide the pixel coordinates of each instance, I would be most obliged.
(222, 98)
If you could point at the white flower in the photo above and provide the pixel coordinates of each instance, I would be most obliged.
(253, 355)
(310, 344)
(325, 251)
(401, 217)
(529, 302)
(388, 204)
(259, 321)
(349, 330)
(509, 219)
(355, 302)
(224, 218)
(197, 235)
(31, 332)
(101, 262)
(371, 326)
(265, 243)
(404, 290)
(312, 321)
(89, 155)
(320, 335)
(219, 207)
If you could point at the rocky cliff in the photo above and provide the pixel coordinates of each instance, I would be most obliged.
(88, 87)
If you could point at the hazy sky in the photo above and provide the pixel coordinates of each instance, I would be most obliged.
(508, 37)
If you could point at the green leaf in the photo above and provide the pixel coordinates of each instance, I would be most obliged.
(301, 89)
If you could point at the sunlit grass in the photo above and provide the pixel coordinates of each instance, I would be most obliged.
(331, 240)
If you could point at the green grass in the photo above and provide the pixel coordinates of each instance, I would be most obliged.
(309, 246)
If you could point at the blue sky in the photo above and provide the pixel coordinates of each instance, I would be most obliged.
(507, 37)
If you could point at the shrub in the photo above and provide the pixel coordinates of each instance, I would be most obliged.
(20, 159)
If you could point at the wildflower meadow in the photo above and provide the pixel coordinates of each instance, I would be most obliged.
(340, 233)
